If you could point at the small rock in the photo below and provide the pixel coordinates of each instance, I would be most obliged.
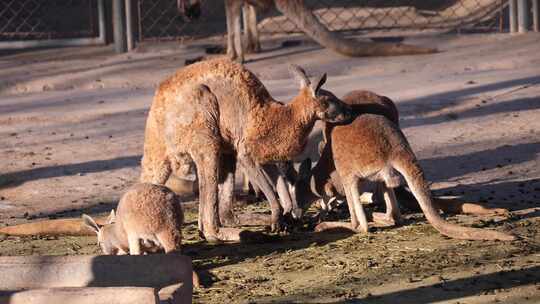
(192, 61)
(471, 82)
(452, 116)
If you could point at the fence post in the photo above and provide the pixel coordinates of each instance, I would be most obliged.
(512, 4)
(101, 20)
(129, 26)
(536, 15)
(118, 25)
(523, 16)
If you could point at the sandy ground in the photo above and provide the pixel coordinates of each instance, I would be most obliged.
(71, 130)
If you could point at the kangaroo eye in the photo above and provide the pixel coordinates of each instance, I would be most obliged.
(323, 102)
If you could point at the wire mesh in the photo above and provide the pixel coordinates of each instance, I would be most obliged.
(47, 19)
(160, 20)
(358, 15)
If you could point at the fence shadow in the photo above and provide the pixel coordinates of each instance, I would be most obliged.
(456, 289)
(10, 180)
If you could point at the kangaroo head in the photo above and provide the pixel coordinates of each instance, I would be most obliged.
(105, 233)
(189, 9)
(325, 105)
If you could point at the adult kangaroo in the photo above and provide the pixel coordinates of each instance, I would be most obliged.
(215, 113)
(373, 149)
(303, 17)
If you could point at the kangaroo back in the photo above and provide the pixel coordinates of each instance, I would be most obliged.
(148, 209)
(364, 102)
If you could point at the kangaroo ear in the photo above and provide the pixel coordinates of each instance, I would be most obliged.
(112, 217)
(300, 75)
(90, 223)
(305, 169)
(317, 84)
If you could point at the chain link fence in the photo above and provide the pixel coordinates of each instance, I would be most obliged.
(355, 15)
(22, 20)
(159, 19)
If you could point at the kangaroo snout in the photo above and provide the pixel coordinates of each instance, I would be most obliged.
(338, 112)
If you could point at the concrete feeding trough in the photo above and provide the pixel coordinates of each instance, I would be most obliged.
(169, 275)
(81, 295)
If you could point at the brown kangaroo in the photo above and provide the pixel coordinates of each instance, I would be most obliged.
(328, 184)
(215, 113)
(149, 219)
(372, 148)
(147, 213)
(303, 17)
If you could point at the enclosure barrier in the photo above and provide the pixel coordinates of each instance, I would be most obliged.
(158, 20)
(169, 274)
(47, 23)
(38, 23)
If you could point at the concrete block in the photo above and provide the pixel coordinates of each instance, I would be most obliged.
(156, 270)
(81, 295)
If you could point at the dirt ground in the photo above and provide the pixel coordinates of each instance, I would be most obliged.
(71, 130)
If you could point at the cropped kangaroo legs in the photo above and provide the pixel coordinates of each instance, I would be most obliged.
(358, 216)
(226, 190)
(392, 216)
(261, 179)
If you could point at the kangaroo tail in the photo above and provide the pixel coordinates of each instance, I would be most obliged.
(52, 227)
(409, 168)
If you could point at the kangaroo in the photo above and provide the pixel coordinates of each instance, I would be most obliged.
(303, 17)
(147, 213)
(329, 184)
(372, 148)
(149, 219)
(215, 113)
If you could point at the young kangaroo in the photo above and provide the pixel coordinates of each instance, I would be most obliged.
(372, 148)
(214, 113)
(323, 181)
(147, 213)
(328, 185)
